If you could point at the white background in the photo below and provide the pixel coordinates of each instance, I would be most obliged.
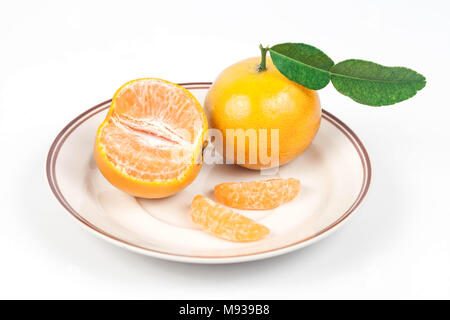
(58, 58)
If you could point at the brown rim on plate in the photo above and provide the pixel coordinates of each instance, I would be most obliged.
(75, 123)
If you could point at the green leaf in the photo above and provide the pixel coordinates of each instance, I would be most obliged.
(373, 84)
(303, 64)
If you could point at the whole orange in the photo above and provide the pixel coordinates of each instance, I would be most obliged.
(243, 97)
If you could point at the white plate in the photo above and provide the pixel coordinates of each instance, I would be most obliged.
(335, 173)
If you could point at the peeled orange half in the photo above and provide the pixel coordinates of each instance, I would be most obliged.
(257, 195)
(150, 143)
(224, 223)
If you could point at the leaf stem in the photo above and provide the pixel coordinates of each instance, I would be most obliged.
(262, 65)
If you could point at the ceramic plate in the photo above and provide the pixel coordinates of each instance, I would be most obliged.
(335, 173)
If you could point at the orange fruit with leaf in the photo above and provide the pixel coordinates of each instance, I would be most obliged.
(255, 96)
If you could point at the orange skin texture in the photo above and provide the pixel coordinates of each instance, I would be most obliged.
(158, 188)
(257, 195)
(224, 223)
(243, 98)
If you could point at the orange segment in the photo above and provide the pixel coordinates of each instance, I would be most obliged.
(150, 142)
(224, 222)
(257, 195)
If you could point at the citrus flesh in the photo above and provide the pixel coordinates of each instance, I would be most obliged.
(150, 143)
(224, 223)
(257, 195)
(244, 98)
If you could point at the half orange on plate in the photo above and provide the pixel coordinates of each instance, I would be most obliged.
(150, 143)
